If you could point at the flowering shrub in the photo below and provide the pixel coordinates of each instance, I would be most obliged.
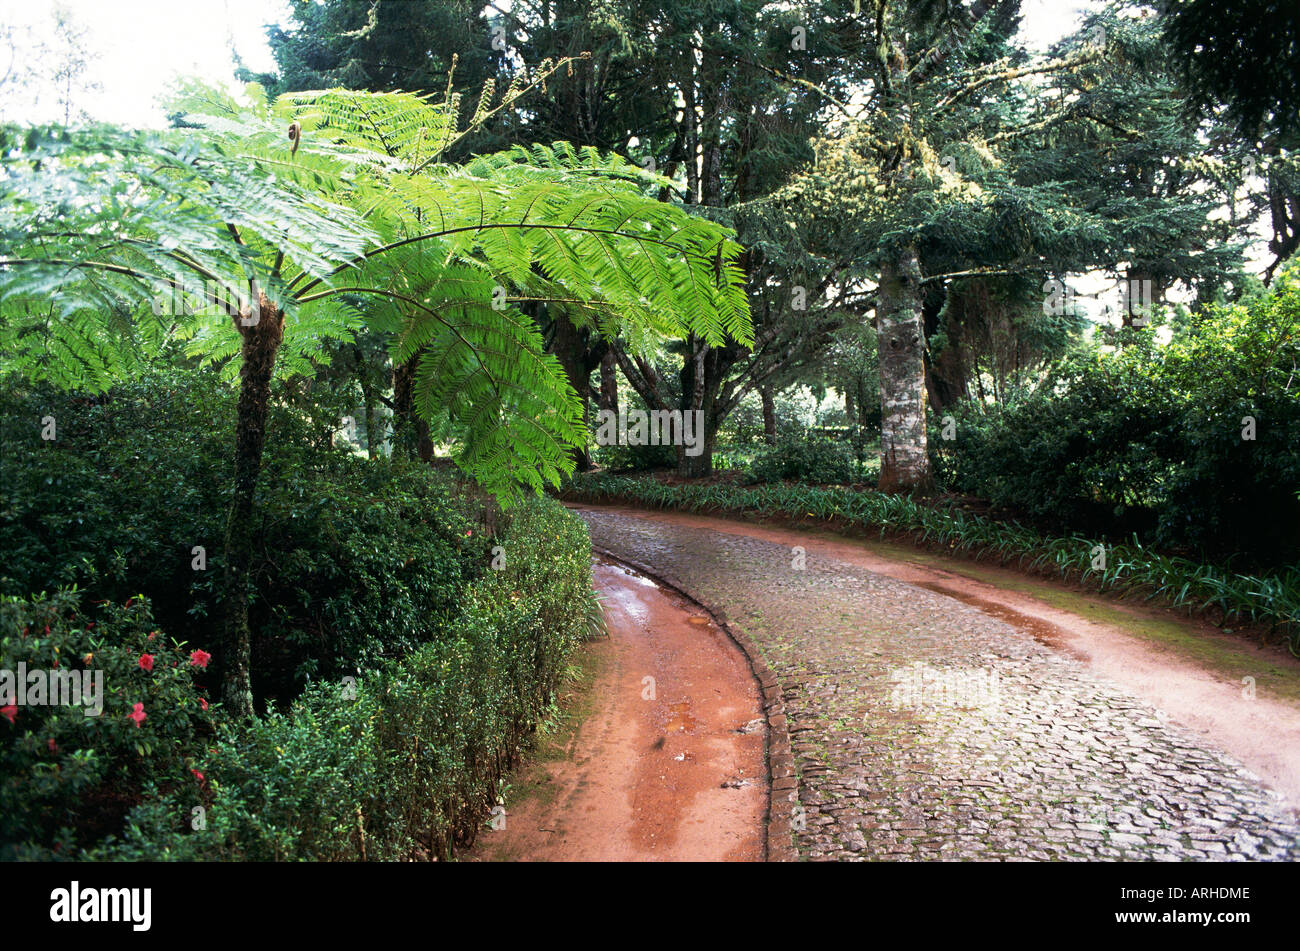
(66, 778)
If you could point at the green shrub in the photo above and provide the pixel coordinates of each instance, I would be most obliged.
(411, 761)
(66, 778)
(1147, 439)
(804, 458)
(635, 458)
(1087, 452)
(378, 570)
(356, 560)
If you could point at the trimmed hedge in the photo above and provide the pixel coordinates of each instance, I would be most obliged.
(1129, 568)
(403, 763)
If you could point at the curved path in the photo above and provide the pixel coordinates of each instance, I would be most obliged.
(926, 727)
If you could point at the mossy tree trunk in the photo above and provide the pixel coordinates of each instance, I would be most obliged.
(262, 331)
(904, 459)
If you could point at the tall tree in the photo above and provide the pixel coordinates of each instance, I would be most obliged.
(1242, 59)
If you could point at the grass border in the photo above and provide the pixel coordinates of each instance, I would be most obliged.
(1272, 602)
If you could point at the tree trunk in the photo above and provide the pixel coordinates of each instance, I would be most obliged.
(258, 352)
(700, 466)
(904, 460)
(1284, 209)
(850, 405)
(369, 407)
(609, 381)
(696, 396)
(570, 347)
(1144, 290)
(410, 431)
(769, 415)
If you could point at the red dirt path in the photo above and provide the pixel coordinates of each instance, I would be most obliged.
(668, 778)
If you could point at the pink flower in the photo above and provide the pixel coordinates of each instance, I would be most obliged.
(9, 712)
(199, 658)
(197, 774)
(203, 703)
(137, 714)
(146, 661)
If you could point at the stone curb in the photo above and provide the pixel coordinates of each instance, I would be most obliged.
(783, 786)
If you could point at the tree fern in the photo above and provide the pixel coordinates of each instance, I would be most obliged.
(284, 238)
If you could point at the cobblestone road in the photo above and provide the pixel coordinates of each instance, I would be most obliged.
(923, 728)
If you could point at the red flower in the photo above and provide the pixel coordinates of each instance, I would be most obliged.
(146, 661)
(47, 630)
(54, 747)
(197, 774)
(152, 635)
(203, 703)
(199, 658)
(9, 712)
(137, 714)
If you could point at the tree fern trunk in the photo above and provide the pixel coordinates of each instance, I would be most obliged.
(260, 347)
(904, 460)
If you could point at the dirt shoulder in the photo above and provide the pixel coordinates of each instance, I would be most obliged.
(659, 753)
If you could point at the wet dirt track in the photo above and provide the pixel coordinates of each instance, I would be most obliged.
(666, 763)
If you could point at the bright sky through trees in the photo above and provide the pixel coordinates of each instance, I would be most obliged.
(138, 47)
